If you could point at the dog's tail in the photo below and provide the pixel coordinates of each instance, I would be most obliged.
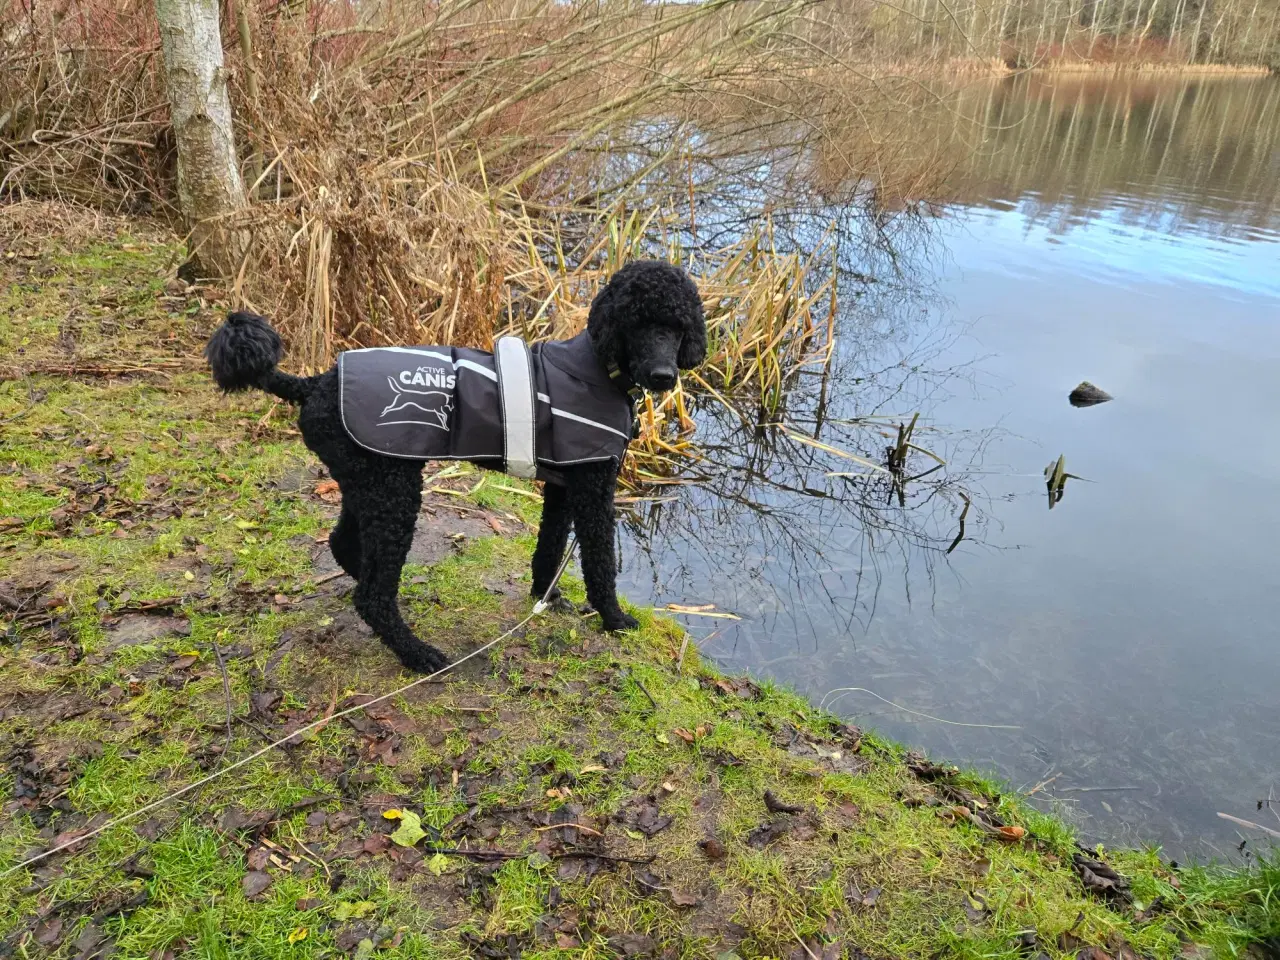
(243, 353)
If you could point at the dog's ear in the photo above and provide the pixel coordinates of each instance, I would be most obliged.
(693, 348)
(605, 324)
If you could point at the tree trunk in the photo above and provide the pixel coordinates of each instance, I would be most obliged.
(209, 184)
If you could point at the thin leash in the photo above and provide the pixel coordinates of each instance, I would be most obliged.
(538, 608)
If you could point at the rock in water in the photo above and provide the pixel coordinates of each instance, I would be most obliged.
(1087, 395)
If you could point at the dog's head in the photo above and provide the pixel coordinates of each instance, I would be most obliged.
(648, 320)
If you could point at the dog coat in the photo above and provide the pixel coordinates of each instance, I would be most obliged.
(523, 410)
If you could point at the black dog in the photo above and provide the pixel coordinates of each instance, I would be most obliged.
(643, 327)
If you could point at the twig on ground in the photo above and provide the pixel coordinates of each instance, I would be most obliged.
(90, 370)
(1251, 825)
(636, 680)
(684, 645)
(31, 405)
(226, 690)
(1042, 784)
(576, 826)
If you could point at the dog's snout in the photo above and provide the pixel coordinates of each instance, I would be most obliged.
(662, 377)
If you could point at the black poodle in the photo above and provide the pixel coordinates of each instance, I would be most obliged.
(643, 327)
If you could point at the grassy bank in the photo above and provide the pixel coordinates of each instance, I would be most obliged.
(168, 607)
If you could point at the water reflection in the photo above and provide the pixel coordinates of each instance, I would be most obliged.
(1166, 157)
(1120, 232)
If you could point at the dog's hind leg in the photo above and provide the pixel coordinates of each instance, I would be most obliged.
(553, 535)
(388, 508)
(590, 497)
(344, 541)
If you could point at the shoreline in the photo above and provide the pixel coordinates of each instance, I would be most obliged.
(572, 794)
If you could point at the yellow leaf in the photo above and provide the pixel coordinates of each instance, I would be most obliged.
(591, 768)
(392, 814)
(438, 864)
(188, 575)
(246, 525)
(299, 934)
(663, 738)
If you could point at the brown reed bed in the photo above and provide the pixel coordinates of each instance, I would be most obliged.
(442, 173)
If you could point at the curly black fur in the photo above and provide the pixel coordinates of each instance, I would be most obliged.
(648, 321)
(243, 353)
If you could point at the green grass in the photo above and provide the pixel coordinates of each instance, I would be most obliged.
(208, 501)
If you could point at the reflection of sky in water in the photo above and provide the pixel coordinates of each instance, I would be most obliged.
(1116, 247)
(1129, 633)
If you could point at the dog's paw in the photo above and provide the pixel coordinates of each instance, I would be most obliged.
(426, 660)
(557, 602)
(623, 621)
(562, 605)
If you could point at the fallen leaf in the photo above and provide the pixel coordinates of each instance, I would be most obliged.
(364, 950)
(328, 491)
(774, 805)
(1100, 879)
(410, 830)
(632, 944)
(48, 930)
(649, 820)
(438, 864)
(257, 858)
(185, 662)
(392, 814)
(354, 911)
(713, 849)
(686, 735)
(262, 702)
(767, 833)
(1012, 832)
(592, 768)
(255, 884)
(299, 934)
(869, 898)
(663, 738)
(683, 899)
(975, 906)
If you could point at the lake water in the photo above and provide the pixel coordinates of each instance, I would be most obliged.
(1123, 232)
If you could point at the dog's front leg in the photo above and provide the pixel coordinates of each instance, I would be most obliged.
(553, 535)
(590, 495)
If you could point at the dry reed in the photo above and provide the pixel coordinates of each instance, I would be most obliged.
(440, 173)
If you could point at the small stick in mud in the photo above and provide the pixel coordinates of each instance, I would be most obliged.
(226, 690)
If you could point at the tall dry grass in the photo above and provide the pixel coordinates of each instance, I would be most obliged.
(439, 172)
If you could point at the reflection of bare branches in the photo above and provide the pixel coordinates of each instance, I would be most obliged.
(766, 511)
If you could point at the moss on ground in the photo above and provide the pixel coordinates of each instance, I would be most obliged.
(592, 795)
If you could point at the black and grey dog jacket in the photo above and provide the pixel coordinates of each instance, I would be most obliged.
(524, 410)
